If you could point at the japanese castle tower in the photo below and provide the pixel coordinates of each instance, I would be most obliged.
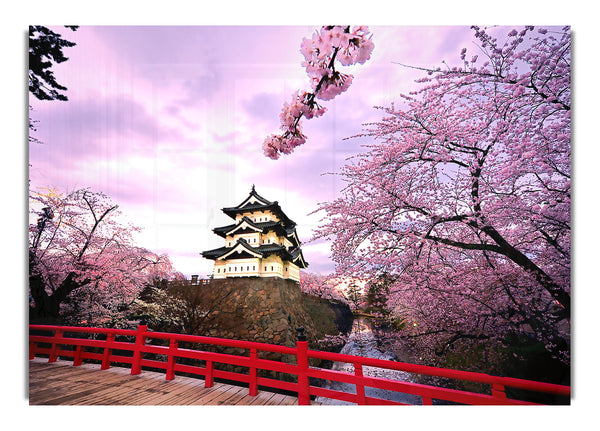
(262, 242)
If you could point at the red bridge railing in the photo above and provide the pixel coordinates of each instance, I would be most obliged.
(56, 343)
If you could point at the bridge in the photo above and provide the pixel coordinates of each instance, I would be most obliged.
(145, 367)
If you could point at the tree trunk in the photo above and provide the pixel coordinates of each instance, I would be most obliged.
(45, 308)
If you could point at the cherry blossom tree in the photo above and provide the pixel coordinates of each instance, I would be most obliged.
(323, 286)
(182, 307)
(84, 266)
(377, 292)
(463, 196)
(332, 43)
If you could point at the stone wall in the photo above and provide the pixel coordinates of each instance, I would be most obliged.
(269, 310)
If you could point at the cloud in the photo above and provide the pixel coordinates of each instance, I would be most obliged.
(92, 128)
(201, 88)
(318, 257)
(263, 107)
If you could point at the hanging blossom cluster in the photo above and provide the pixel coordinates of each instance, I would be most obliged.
(331, 43)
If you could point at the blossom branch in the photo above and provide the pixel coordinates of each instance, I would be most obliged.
(321, 52)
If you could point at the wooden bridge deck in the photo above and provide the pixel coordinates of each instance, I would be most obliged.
(60, 383)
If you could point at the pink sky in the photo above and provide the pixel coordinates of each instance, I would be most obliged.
(169, 122)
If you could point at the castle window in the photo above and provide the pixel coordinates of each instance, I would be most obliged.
(247, 268)
(271, 268)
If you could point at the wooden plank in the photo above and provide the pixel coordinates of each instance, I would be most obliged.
(261, 398)
(54, 370)
(56, 398)
(38, 365)
(71, 382)
(127, 388)
(163, 390)
(243, 398)
(192, 398)
(276, 400)
(135, 395)
(177, 394)
(84, 381)
(182, 392)
(107, 389)
(54, 390)
(231, 392)
(61, 383)
(50, 389)
(221, 392)
(233, 396)
(204, 394)
(158, 392)
(143, 391)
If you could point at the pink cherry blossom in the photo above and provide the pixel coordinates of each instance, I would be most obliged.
(330, 45)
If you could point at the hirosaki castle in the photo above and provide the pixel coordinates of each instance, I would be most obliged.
(262, 242)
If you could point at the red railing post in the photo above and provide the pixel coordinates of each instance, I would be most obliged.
(32, 349)
(253, 389)
(170, 375)
(302, 364)
(208, 378)
(77, 359)
(107, 352)
(53, 355)
(360, 388)
(140, 340)
(498, 391)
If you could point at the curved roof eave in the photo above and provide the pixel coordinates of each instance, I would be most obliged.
(241, 244)
(247, 221)
(274, 207)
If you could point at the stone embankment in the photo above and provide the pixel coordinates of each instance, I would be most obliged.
(269, 310)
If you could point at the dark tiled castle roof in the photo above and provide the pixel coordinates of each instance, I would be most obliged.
(293, 255)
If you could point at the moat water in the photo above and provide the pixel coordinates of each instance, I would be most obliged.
(362, 342)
